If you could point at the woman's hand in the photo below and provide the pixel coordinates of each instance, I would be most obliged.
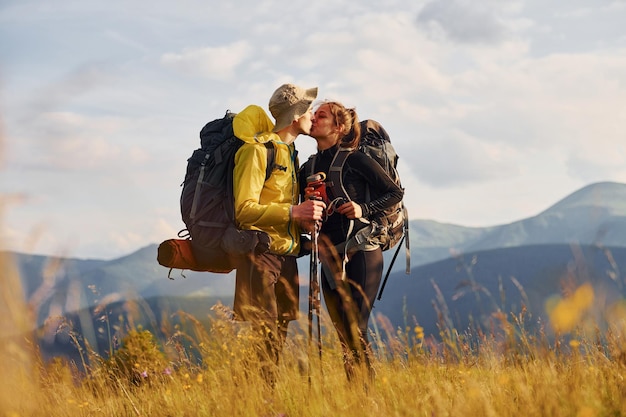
(350, 209)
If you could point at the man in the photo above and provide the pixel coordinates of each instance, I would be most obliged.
(267, 288)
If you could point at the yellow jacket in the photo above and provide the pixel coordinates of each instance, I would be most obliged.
(259, 204)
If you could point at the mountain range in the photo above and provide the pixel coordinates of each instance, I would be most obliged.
(468, 273)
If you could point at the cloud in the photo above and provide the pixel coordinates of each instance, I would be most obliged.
(454, 158)
(575, 26)
(464, 21)
(597, 167)
(218, 63)
(377, 60)
(58, 93)
(70, 141)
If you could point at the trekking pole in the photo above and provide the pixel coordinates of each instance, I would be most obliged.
(311, 304)
(317, 182)
(407, 254)
(317, 294)
(395, 255)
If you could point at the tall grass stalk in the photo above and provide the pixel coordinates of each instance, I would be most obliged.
(17, 359)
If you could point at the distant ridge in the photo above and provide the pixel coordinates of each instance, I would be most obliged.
(594, 214)
(609, 196)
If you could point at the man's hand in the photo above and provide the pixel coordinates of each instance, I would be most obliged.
(308, 211)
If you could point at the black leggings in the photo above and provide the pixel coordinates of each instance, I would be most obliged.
(351, 303)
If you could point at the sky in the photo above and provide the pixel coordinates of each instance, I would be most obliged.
(498, 109)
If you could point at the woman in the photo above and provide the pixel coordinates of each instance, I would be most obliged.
(349, 283)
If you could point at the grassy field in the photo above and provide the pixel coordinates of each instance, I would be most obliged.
(211, 369)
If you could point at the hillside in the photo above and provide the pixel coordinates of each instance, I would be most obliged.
(57, 286)
(477, 284)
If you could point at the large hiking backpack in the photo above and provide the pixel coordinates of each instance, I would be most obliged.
(391, 226)
(211, 238)
(375, 143)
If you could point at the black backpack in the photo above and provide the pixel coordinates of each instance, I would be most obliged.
(391, 226)
(207, 201)
(376, 144)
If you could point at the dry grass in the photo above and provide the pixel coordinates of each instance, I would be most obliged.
(482, 375)
(584, 385)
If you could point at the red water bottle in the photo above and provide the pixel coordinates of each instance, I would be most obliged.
(317, 182)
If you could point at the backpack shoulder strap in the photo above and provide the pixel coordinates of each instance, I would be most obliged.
(335, 173)
(271, 157)
(310, 165)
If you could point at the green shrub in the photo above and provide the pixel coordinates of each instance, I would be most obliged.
(138, 360)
